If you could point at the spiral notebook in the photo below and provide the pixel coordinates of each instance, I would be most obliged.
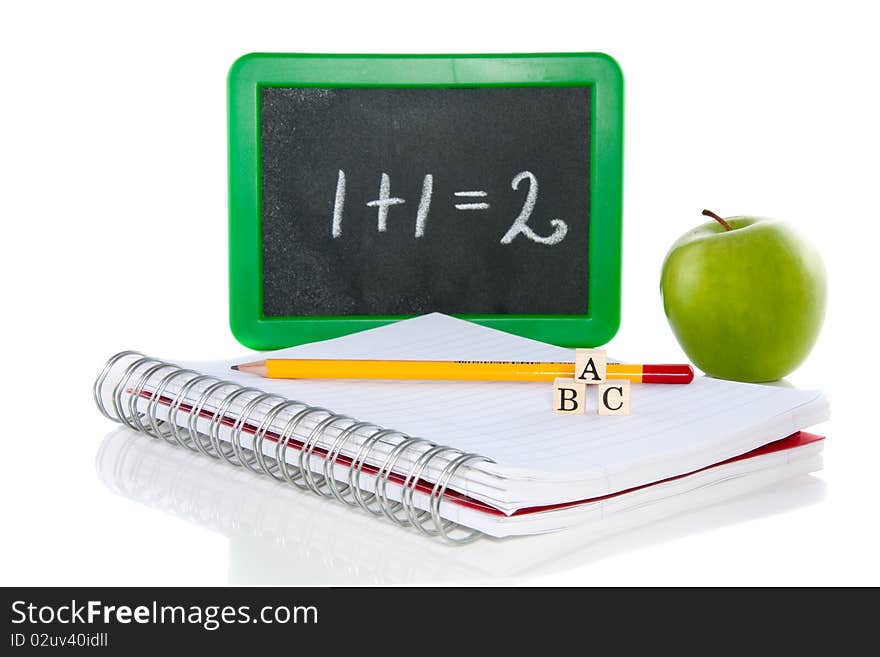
(457, 459)
(278, 535)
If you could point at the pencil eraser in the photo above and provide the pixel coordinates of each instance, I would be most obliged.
(590, 365)
(614, 397)
(569, 397)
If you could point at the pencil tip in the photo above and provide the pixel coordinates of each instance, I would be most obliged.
(235, 367)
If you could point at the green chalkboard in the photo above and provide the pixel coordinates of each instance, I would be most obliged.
(365, 189)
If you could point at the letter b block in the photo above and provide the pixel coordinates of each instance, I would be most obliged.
(614, 397)
(589, 366)
(569, 397)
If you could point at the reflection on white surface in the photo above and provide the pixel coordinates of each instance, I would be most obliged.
(280, 535)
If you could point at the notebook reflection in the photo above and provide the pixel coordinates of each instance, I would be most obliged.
(280, 535)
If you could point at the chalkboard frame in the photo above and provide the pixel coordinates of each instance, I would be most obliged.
(252, 72)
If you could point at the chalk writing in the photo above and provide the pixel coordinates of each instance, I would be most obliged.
(424, 204)
(520, 225)
(385, 201)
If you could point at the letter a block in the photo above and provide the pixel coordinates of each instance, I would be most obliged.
(569, 397)
(589, 366)
(614, 397)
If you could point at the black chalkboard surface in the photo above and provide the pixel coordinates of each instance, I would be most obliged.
(450, 159)
(368, 188)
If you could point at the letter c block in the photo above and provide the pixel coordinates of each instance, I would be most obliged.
(614, 397)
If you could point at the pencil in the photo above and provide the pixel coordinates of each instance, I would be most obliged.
(454, 370)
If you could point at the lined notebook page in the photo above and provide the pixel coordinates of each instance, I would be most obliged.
(673, 428)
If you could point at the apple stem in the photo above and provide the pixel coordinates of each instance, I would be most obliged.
(709, 213)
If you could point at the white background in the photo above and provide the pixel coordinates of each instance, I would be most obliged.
(113, 206)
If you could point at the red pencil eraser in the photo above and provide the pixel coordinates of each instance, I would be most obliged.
(667, 374)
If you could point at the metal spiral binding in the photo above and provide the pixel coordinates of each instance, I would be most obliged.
(147, 383)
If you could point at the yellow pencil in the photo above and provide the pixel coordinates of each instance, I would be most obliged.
(454, 370)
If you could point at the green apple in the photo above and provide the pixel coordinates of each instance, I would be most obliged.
(744, 296)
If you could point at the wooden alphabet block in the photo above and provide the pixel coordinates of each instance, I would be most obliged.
(569, 397)
(614, 397)
(590, 366)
